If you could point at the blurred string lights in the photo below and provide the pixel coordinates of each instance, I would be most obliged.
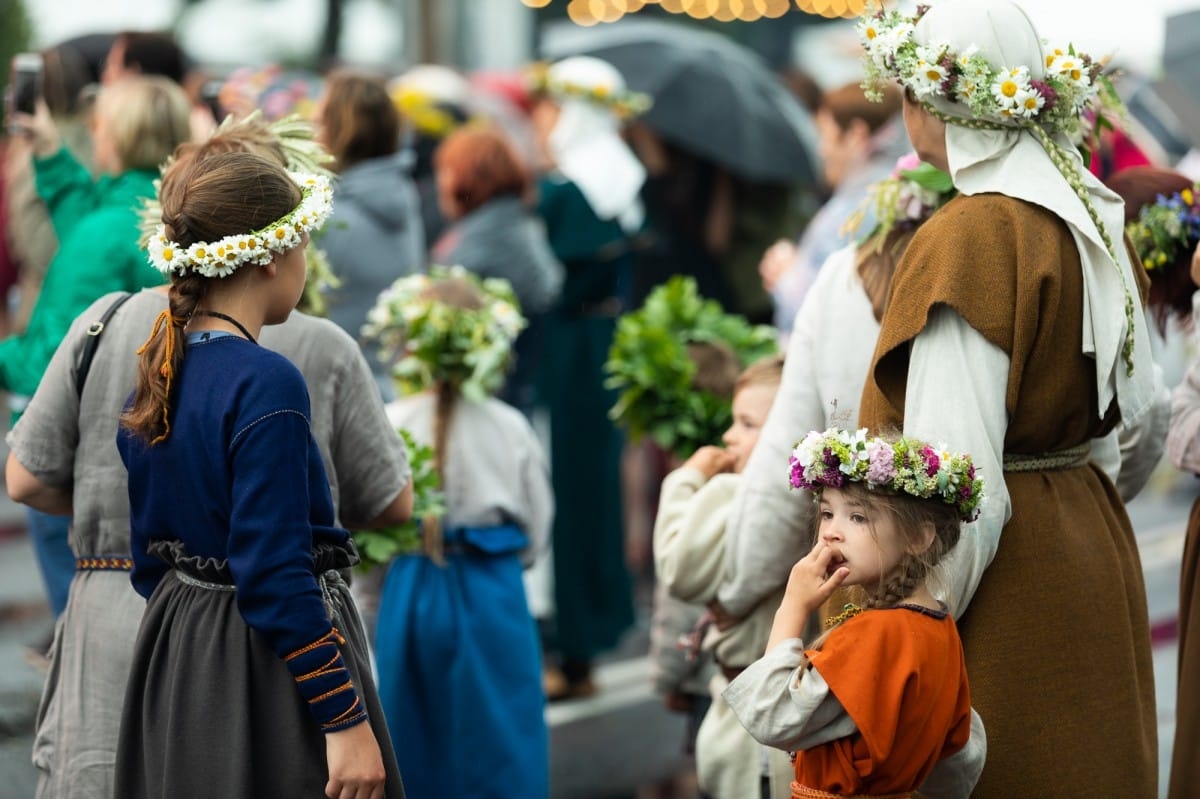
(591, 12)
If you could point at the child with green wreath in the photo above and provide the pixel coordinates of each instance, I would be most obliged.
(460, 673)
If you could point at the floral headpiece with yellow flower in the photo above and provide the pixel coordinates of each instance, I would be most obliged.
(224, 257)
(624, 103)
(436, 342)
(986, 96)
(1164, 229)
(834, 457)
(428, 115)
(1005, 94)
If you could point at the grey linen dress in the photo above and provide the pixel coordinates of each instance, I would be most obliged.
(69, 443)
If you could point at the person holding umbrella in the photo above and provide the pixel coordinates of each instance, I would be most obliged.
(589, 200)
(731, 153)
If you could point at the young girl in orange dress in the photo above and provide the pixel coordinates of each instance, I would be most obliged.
(873, 705)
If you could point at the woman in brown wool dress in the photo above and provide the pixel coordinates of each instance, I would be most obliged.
(1012, 333)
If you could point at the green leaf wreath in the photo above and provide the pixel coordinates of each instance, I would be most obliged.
(377, 547)
(433, 342)
(649, 366)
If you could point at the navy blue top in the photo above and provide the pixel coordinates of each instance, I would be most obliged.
(240, 478)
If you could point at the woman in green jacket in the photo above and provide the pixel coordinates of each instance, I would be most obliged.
(136, 124)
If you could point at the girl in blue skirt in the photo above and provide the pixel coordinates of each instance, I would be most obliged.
(456, 647)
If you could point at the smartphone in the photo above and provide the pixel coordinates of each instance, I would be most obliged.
(25, 82)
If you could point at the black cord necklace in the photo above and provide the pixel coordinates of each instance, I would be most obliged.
(228, 319)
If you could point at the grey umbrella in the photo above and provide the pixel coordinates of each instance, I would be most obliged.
(1179, 87)
(712, 96)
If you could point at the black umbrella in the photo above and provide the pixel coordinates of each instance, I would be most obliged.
(712, 96)
(92, 49)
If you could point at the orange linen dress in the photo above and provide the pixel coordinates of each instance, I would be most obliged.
(901, 676)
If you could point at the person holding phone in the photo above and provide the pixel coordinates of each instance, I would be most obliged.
(25, 78)
(135, 125)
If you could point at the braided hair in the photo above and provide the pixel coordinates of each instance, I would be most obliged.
(203, 199)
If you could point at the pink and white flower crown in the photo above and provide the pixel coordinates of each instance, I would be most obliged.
(834, 457)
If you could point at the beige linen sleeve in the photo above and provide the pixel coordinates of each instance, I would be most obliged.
(689, 533)
(952, 368)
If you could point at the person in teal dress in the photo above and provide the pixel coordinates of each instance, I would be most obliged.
(589, 203)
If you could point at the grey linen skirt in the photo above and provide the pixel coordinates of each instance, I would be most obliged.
(211, 710)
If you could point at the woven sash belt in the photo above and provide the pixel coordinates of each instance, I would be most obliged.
(329, 580)
(1059, 461)
(803, 792)
(104, 563)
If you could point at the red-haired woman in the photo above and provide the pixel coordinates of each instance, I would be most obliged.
(483, 190)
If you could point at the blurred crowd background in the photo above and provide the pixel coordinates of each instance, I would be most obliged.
(757, 149)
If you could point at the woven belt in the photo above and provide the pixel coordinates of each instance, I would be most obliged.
(188, 579)
(1064, 459)
(104, 563)
(804, 792)
(325, 579)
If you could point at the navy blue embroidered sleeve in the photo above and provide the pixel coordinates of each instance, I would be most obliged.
(270, 557)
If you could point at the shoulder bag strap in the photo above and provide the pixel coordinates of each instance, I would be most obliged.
(92, 342)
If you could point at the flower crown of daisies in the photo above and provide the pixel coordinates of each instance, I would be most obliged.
(624, 103)
(1000, 93)
(834, 457)
(223, 257)
(435, 342)
(1167, 227)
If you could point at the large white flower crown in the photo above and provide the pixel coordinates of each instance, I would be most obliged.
(988, 96)
(1004, 94)
(223, 257)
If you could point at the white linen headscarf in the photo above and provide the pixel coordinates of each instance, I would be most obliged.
(1014, 163)
(587, 147)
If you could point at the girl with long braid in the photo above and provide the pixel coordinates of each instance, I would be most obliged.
(873, 705)
(250, 672)
(460, 671)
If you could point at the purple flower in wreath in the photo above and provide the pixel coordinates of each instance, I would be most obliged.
(833, 477)
(797, 473)
(1047, 92)
(932, 462)
(831, 459)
